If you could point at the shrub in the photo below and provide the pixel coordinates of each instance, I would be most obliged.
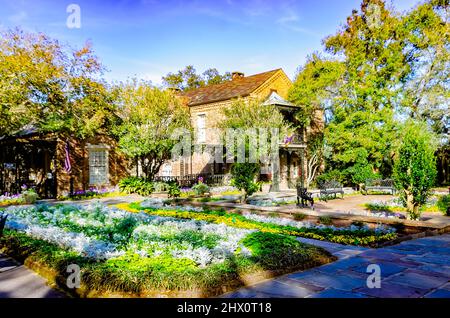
(415, 166)
(29, 195)
(136, 185)
(200, 188)
(443, 204)
(174, 190)
(359, 173)
(378, 207)
(330, 175)
(325, 220)
(243, 176)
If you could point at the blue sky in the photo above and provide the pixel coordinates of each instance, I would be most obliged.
(149, 38)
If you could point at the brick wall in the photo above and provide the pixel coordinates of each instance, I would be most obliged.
(79, 154)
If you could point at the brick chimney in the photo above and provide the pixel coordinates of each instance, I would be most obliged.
(236, 75)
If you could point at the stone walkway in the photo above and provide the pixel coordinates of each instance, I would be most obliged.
(416, 268)
(17, 281)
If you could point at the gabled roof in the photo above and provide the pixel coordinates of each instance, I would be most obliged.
(240, 87)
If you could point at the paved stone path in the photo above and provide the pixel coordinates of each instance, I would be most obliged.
(416, 268)
(17, 281)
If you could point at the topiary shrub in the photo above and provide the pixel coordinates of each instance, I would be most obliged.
(415, 166)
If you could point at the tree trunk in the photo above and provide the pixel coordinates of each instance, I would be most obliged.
(411, 207)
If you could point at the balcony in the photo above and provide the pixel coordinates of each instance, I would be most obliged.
(295, 141)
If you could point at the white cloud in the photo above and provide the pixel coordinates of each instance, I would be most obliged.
(291, 21)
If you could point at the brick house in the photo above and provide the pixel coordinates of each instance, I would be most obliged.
(205, 104)
(37, 160)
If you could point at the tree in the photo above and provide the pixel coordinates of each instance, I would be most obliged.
(149, 117)
(212, 76)
(415, 166)
(243, 178)
(252, 114)
(315, 89)
(51, 87)
(188, 78)
(426, 94)
(383, 65)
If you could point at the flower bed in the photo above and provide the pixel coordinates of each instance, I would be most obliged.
(389, 207)
(148, 255)
(272, 201)
(11, 199)
(353, 235)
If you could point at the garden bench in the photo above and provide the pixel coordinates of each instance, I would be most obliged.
(383, 185)
(330, 187)
(3, 218)
(304, 196)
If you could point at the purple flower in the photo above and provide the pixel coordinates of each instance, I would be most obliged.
(200, 179)
(288, 139)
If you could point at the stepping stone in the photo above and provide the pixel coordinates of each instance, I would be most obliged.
(387, 269)
(337, 280)
(431, 242)
(431, 259)
(390, 290)
(439, 293)
(382, 255)
(418, 251)
(336, 293)
(443, 271)
(343, 264)
(277, 289)
(437, 251)
(413, 279)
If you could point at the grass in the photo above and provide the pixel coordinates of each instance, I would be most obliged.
(362, 237)
(132, 275)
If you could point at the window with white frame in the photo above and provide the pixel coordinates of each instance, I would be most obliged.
(98, 165)
(201, 128)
